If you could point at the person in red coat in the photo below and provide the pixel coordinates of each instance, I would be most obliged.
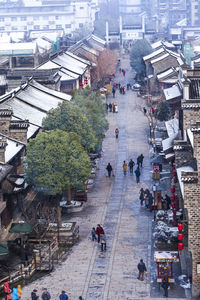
(99, 232)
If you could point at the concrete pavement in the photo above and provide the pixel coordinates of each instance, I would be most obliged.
(113, 202)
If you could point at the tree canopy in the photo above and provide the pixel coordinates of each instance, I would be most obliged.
(56, 162)
(163, 111)
(139, 49)
(106, 65)
(93, 108)
(68, 117)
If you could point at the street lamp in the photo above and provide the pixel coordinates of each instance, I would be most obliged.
(154, 203)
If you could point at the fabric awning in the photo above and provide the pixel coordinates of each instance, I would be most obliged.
(23, 228)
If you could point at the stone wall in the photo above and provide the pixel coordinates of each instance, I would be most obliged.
(190, 116)
(192, 204)
(13, 129)
(184, 154)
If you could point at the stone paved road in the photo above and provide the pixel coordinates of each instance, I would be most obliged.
(114, 203)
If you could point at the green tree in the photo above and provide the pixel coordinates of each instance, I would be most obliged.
(139, 49)
(93, 108)
(68, 117)
(163, 111)
(55, 163)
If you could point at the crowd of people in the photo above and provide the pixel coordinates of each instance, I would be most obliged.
(112, 107)
(46, 295)
(130, 164)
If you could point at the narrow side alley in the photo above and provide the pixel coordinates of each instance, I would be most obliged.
(114, 203)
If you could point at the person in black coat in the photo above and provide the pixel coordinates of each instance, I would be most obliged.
(34, 295)
(109, 169)
(165, 285)
(141, 268)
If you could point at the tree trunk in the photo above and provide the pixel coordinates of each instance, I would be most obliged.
(69, 197)
(59, 217)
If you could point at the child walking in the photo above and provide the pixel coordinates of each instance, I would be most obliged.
(93, 233)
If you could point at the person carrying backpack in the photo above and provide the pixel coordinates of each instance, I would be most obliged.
(63, 296)
(46, 295)
(137, 174)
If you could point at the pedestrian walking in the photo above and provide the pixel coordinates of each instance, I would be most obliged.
(124, 72)
(113, 92)
(141, 268)
(123, 90)
(137, 174)
(141, 160)
(116, 108)
(34, 294)
(99, 232)
(141, 196)
(103, 242)
(110, 107)
(63, 296)
(80, 298)
(138, 161)
(109, 169)
(144, 110)
(131, 164)
(168, 200)
(165, 285)
(113, 108)
(46, 295)
(15, 294)
(93, 234)
(116, 133)
(124, 167)
(150, 202)
(147, 195)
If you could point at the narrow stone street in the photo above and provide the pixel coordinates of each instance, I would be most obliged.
(113, 202)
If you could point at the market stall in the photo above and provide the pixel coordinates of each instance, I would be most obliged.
(164, 261)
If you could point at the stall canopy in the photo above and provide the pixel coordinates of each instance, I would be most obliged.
(22, 228)
(166, 256)
(157, 160)
(3, 249)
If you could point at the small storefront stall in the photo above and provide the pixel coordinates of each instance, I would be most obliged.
(164, 261)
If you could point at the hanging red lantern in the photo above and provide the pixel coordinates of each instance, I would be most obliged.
(180, 236)
(173, 189)
(173, 205)
(174, 173)
(172, 197)
(180, 227)
(175, 179)
(180, 246)
(174, 166)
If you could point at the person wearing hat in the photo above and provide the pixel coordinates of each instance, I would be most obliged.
(34, 295)
(63, 296)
